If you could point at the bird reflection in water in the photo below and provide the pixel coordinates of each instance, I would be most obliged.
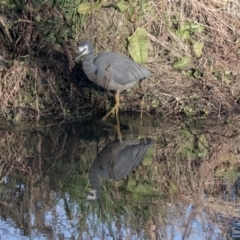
(116, 160)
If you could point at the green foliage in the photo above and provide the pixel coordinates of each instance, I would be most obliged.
(53, 30)
(230, 174)
(197, 49)
(71, 177)
(38, 18)
(74, 21)
(187, 28)
(148, 157)
(173, 188)
(134, 9)
(192, 73)
(194, 147)
(186, 32)
(223, 75)
(121, 6)
(88, 7)
(190, 106)
(138, 45)
(202, 146)
(140, 190)
(196, 73)
(13, 4)
(131, 184)
(55, 20)
(182, 63)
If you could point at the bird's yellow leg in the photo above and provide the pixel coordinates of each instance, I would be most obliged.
(117, 99)
(118, 130)
(115, 108)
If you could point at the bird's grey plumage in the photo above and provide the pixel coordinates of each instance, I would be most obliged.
(116, 160)
(110, 70)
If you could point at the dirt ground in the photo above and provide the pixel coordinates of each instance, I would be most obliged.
(38, 42)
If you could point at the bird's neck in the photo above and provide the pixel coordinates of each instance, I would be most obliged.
(89, 67)
(94, 178)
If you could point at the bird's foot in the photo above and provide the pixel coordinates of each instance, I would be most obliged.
(114, 110)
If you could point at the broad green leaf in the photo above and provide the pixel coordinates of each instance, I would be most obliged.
(122, 6)
(196, 73)
(143, 189)
(88, 7)
(183, 34)
(197, 48)
(182, 63)
(131, 184)
(186, 134)
(148, 158)
(191, 26)
(192, 73)
(173, 188)
(227, 72)
(195, 27)
(185, 27)
(202, 146)
(138, 45)
(187, 74)
(231, 174)
(38, 18)
(131, 12)
(199, 29)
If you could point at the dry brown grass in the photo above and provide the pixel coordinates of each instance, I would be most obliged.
(213, 93)
(169, 91)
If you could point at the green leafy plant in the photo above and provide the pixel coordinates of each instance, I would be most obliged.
(194, 147)
(185, 31)
(187, 28)
(138, 45)
(193, 73)
(134, 9)
(182, 63)
(197, 49)
(121, 6)
(88, 7)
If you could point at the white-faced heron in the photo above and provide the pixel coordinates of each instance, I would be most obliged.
(110, 70)
(115, 161)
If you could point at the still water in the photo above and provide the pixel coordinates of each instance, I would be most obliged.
(165, 179)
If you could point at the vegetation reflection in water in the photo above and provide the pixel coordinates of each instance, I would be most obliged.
(187, 181)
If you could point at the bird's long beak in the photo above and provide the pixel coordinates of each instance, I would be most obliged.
(79, 56)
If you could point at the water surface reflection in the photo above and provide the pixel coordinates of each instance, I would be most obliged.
(184, 188)
(116, 160)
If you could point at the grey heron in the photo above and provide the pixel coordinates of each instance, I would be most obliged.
(111, 71)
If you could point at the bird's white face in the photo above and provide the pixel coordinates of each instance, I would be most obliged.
(83, 49)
